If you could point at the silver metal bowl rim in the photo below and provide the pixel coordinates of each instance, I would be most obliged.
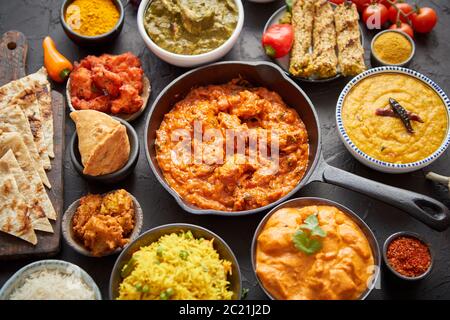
(337, 76)
(181, 226)
(52, 262)
(383, 63)
(412, 235)
(318, 200)
(78, 247)
(199, 211)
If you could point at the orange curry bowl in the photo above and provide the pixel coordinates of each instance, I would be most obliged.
(315, 249)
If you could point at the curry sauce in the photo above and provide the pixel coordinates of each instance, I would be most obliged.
(340, 270)
(224, 181)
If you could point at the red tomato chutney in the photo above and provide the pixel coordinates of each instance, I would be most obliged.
(232, 181)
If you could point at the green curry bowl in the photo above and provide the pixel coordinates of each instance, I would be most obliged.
(190, 33)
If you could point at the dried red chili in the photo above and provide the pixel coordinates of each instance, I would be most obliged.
(409, 256)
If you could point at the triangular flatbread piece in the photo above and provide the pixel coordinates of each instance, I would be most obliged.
(9, 164)
(12, 119)
(13, 210)
(102, 141)
(45, 105)
(25, 91)
(13, 141)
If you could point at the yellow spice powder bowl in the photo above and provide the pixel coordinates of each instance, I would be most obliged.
(377, 45)
(84, 40)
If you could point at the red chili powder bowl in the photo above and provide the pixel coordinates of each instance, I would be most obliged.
(408, 255)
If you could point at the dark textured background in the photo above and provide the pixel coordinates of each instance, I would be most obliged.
(36, 19)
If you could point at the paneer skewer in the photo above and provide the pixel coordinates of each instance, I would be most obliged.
(351, 52)
(324, 40)
(301, 63)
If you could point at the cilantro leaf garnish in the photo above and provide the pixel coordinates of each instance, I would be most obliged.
(289, 4)
(308, 238)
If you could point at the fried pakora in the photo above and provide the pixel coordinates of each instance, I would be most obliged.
(104, 223)
(109, 83)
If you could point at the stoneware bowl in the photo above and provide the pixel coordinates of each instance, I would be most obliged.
(376, 62)
(69, 236)
(154, 234)
(303, 202)
(182, 60)
(93, 40)
(20, 276)
(375, 163)
(111, 177)
(412, 235)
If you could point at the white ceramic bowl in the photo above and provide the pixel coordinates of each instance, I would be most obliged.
(378, 164)
(182, 60)
(20, 276)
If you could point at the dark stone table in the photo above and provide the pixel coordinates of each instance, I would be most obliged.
(36, 19)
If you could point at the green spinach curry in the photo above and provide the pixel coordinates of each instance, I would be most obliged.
(190, 27)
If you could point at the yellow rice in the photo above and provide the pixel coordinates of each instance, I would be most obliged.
(177, 267)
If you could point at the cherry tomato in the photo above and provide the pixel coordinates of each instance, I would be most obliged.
(337, 1)
(424, 20)
(375, 15)
(361, 4)
(403, 7)
(406, 28)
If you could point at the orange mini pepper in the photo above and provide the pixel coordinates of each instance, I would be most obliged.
(58, 67)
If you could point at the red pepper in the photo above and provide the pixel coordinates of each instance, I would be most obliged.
(277, 40)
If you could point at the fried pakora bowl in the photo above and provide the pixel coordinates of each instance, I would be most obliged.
(345, 266)
(102, 234)
(258, 75)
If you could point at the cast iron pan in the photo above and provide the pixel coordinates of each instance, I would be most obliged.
(429, 211)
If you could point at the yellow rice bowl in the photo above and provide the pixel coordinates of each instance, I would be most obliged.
(177, 267)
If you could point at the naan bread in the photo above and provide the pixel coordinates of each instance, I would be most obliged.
(12, 119)
(30, 106)
(14, 210)
(14, 141)
(26, 91)
(9, 164)
(45, 105)
(102, 141)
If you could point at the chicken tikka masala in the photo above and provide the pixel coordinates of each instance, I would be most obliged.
(234, 182)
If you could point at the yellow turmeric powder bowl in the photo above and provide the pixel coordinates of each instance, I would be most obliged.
(92, 22)
(392, 48)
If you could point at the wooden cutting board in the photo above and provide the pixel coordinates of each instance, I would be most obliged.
(13, 55)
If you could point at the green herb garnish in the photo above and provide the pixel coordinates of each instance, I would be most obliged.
(244, 293)
(307, 238)
(289, 4)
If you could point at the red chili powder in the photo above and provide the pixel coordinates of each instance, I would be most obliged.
(409, 256)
